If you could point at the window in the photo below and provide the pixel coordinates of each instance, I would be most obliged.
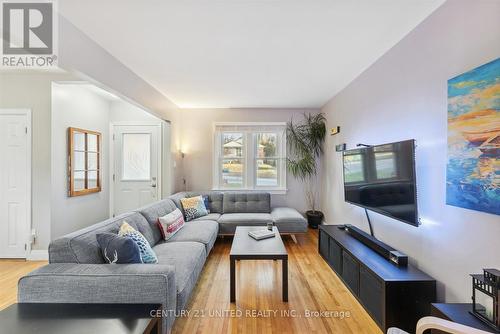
(385, 165)
(136, 157)
(267, 160)
(233, 161)
(385, 162)
(250, 156)
(84, 165)
(354, 170)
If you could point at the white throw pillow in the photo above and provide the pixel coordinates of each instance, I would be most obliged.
(171, 223)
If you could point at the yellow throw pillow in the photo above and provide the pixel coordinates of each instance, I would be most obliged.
(194, 207)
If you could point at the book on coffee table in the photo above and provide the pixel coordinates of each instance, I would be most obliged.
(261, 234)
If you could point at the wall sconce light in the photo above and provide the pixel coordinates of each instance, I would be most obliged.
(334, 131)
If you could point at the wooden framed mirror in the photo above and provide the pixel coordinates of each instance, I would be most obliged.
(84, 163)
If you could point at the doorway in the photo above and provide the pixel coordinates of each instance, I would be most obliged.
(15, 182)
(136, 170)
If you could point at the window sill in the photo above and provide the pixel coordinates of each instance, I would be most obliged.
(271, 191)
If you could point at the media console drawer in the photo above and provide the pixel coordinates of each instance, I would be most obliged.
(393, 296)
(323, 244)
(350, 272)
(371, 294)
(335, 256)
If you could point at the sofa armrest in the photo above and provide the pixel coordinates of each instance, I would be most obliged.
(102, 283)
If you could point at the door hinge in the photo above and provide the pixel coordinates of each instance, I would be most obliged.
(25, 247)
(113, 177)
(113, 136)
(26, 129)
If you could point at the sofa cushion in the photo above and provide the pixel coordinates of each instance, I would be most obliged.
(289, 220)
(210, 216)
(152, 212)
(246, 203)
(82, 247)
(214, 199)
(188, 259)
(176, 198)
(229, 221)
(202, 231)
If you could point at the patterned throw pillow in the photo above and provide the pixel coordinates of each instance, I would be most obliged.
(147, 253)
(171, 223)
(194, 207)
(116, 249)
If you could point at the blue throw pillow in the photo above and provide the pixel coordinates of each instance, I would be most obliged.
(116, 249)
(147, 253)
(207, 203)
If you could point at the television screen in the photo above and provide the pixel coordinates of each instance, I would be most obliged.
(382, 178)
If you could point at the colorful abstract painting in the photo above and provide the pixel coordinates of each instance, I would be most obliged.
(473, 171)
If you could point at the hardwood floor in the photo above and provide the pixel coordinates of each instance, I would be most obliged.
(313, 286)
(10, 272)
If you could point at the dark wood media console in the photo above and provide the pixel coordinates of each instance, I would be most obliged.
(393, 296)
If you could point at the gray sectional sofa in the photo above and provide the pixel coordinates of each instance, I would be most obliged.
(77, 272)
(233, 209)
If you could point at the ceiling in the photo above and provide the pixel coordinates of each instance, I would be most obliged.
(247, 53)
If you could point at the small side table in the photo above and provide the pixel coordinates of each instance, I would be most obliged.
(459, 313)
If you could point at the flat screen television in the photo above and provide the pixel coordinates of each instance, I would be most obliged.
(382, 178)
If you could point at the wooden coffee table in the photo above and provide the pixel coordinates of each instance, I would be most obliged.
(24, 318)
(245, 247)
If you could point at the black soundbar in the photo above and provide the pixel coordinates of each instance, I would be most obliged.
(378, 246)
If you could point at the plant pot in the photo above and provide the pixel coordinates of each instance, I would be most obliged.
(314, 218)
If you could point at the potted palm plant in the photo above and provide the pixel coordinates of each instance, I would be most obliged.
(305, 147)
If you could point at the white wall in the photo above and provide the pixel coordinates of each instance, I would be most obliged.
(77, 106)
(402, 96)
(121, 111)
(32, 90)
(197, 142)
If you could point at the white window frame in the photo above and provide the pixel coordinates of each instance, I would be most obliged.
(250, 132)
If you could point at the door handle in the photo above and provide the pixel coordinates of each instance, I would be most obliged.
(153, 185)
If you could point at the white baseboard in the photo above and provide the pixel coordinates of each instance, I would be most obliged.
(38, 255)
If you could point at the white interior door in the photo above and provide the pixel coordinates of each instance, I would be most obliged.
(15, 171)
(137, 159)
